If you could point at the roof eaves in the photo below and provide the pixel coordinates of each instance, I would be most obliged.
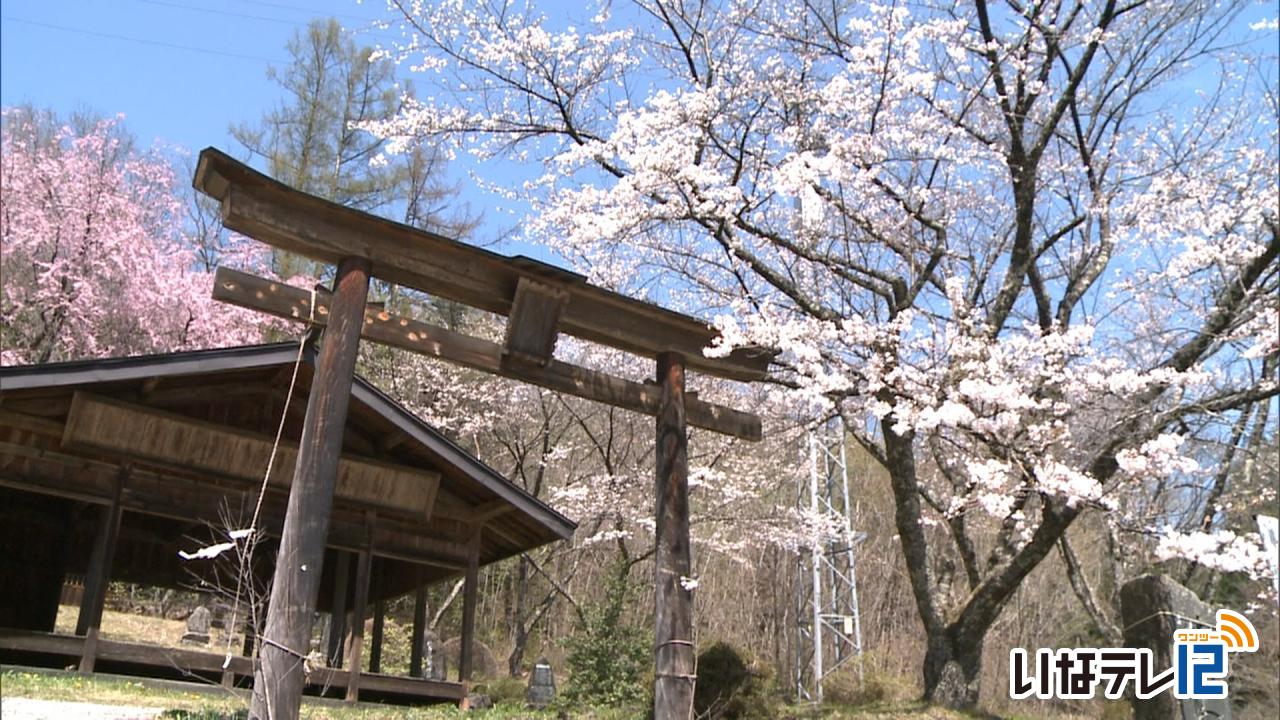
(81, 372)
(406, 421)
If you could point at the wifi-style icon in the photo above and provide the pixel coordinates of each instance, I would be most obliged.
(1236, 632)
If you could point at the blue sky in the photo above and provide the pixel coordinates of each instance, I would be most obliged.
(180, 71)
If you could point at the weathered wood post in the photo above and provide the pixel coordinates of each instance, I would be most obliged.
(253, 624)
(338, 609)
(278, 681)
(99, 576)
(375, 639)
(419, 628)
(355, 655)
(466, 653)
(674, 671)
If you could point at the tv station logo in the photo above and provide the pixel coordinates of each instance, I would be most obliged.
(1199, 672)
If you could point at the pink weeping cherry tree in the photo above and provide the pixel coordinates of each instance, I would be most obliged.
(96, 260)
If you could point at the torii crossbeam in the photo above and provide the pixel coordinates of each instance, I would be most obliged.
(540, 301)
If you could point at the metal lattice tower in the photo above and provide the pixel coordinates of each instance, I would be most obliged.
(828, 629)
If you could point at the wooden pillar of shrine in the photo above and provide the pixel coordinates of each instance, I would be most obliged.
(338, 609)
(355, 654)
(466, 654)
(89, 622)
(379, 621)
(419, 629)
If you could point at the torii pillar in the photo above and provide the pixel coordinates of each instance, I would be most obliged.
(279, 678)
(674, 670)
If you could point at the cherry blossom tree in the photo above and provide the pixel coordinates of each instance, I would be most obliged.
(1027, 251)
(95, 259)
(595, 463)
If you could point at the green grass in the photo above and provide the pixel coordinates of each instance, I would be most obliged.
(108, 691)
(217, 703)
(912, 709)
(151, 630)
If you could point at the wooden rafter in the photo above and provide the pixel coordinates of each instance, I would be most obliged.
(485, 512)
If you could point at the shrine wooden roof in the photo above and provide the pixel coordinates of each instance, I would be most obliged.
(196, 429)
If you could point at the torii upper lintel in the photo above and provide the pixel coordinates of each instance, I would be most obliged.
(272, 212)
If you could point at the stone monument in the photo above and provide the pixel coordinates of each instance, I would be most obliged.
(1152, 607)
(198, 623)
(542, 685)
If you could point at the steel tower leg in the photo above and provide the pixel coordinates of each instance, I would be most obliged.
(828, 626)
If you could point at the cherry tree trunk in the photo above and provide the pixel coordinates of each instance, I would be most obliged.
(953, 668)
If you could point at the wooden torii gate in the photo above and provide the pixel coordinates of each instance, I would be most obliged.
(540, 301)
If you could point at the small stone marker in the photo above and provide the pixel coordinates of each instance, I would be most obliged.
(542, 685)
(198, 623)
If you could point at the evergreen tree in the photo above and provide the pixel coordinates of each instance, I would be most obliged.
(308, 140)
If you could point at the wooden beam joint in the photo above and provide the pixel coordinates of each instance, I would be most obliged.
(533, 325)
